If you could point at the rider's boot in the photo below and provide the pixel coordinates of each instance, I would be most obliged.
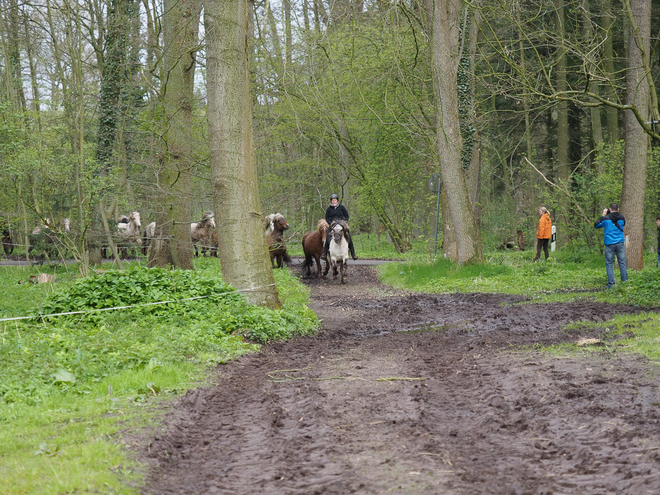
(324, 256)
(351, 248)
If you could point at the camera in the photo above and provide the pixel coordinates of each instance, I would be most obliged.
(608, 211)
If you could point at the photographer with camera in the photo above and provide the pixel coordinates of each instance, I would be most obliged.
(612, 223)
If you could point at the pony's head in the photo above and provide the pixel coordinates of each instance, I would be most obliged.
(134, 217)
(207, 220)
(322, 228)
(338, 233)
(279, 222)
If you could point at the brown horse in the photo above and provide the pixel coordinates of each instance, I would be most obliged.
(312, 243)
(275, 240)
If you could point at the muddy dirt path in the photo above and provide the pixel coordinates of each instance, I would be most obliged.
(418, 394)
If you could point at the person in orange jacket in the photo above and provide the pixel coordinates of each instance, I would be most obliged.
(543, 233)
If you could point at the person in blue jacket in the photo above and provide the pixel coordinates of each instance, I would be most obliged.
(612, 223)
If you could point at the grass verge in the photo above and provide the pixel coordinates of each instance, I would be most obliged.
(565, 276)
(74, 385)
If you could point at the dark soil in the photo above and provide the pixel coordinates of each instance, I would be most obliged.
(419, 394)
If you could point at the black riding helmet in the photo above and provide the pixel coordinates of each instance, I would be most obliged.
(334, 196)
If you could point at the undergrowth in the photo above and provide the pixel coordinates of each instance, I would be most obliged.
(73, 383)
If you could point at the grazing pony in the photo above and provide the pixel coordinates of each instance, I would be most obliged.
(312, 243)
(275, 240)
(338, 251)
(5, 234)
(201, 234)
(129, 233)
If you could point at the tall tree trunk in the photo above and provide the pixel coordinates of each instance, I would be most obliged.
(243, 251)
(529, 150)
(562, 170)
(113, 79)
(180, 30)
(274, 35)
(596, 124)
(612, 117)
(638, 79)
(471, 156)
(288, 57)
(14, 68)
(445, 60)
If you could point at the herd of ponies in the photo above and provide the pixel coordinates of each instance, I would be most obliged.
(130, 238)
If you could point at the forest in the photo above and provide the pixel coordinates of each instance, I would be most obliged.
(109, 107)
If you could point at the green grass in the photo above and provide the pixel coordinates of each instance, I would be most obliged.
(73, 386)
(622, 335)
(565, 276)
(512, 273)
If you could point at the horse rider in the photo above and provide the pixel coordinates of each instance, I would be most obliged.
(334, 214)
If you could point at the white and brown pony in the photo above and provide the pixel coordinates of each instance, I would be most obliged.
(129, 234)
(312, 243)
(275, 239)
(201, 234)
(338, 251)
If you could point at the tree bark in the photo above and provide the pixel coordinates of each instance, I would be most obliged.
(445, 59)
(180, 30)
(612, 114)
(562, 170)
(596, 124)
(242, 245)
(638, 80)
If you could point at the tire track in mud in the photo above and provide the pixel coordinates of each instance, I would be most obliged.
(455, 403)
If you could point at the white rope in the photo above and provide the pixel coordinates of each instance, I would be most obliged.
(133, 305)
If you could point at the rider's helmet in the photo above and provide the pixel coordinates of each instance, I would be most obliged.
(334, 196)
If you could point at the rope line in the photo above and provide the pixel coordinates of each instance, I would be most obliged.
(133, 305)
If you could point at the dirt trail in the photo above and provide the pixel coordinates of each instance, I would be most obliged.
(418, 394)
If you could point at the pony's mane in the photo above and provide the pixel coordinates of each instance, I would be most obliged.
(269, 220)
(322, 227)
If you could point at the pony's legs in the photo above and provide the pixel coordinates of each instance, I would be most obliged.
(308, 264)
(327, 268)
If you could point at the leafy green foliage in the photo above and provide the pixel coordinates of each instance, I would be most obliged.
(73, 383)
(206, 321)
(645, 291)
